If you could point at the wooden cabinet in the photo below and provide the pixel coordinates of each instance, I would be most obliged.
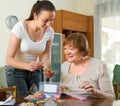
(67, 22)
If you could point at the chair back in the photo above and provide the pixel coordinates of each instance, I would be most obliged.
(115, 85)
(116, 78)
(13, 88)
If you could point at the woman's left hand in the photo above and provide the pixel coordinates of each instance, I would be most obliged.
(88, 87)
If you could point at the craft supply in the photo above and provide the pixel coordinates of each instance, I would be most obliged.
(42, 97)
(40, 102)
(78, 96)
(45, 68)
(57, 96)
(59, 101)
(26, 104)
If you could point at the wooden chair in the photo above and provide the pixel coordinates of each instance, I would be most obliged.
(13, 88)
(115, 86)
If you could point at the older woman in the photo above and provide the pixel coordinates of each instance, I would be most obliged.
(81, 73)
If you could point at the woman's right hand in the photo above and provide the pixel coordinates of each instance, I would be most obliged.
(88, 87)
(33, 66)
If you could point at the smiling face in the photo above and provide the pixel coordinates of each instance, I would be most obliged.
(44, 19)
(72, 54)
(75, 47)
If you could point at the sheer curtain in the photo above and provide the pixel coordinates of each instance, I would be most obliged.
(107, 32)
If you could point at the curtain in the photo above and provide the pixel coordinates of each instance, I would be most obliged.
(107, 32)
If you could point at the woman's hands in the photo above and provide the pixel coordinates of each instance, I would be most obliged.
(33, 66)
(88, 87)
(48, 72)
(95, 92)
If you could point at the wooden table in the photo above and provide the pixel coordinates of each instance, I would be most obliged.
(68, 101)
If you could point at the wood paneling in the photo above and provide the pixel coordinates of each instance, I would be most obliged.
(69, 20)
(82, 23)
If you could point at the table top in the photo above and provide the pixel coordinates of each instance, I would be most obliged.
(69, 101)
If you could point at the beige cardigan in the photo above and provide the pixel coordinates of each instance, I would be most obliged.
(97, 74)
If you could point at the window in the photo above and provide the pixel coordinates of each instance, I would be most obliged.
(107, 32)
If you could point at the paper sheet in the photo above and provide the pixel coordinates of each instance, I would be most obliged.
(9, 101)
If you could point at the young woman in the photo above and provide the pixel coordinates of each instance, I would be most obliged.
(27, 40)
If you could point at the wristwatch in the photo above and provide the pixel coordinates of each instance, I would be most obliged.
(11, 21)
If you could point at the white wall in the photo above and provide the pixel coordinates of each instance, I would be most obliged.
(66, 4)
(21, 9)
(85, 7)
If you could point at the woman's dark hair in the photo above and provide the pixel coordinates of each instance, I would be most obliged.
(39, 6)
(79, 41)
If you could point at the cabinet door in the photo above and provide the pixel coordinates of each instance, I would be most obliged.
(69, 20)
(82, 23)
(56, 57)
